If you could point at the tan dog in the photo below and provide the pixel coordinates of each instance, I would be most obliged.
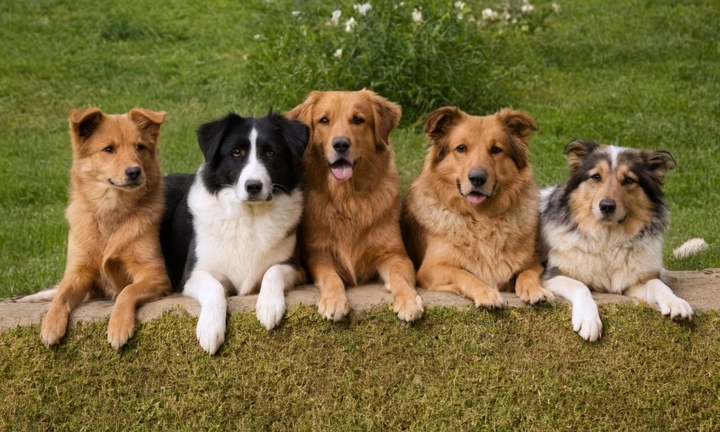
(470, 220)
(351, 226)
(116, 205)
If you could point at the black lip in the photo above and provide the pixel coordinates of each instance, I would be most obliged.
(341, 163)
(132, 185)
(487, 195)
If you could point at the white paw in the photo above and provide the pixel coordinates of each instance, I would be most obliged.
(675, 307)
(586, 321)
(211, 330)
(270, 309)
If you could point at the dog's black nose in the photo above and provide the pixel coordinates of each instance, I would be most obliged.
(253, 187)
(341, 144)
(607, 206)
(133, 172)
(477, 177)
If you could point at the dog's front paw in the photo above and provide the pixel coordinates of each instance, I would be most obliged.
(489, 298)
(586, 322)
(54, 325)
(270, 309)
(534, 295)
(334, 308)
(408, 306)
(675, 307)
(121, 327)
(211, 331)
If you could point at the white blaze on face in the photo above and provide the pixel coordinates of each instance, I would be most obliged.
(614, 152)
(253, 173)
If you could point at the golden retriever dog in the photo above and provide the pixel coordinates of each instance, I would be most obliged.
(471, 219)
(350, 230)
(116, 206)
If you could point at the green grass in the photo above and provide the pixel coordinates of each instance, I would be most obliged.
(453, 370)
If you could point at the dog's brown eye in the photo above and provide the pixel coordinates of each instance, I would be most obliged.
(461, 148)
(596, 177)
(238, 153)
(324, 120)
(495, 150)
(140, 147)
(628, 181)
(109, 149)
(270, 153)
(358, 121)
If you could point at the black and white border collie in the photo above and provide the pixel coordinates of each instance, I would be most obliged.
(603, 230)
(232, 227)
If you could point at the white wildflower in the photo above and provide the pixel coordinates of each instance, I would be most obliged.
(555, 6)
(295, 13)
(363, 8)
(459, 5)
(417, 16)
(350, 24)
(335, 20)
(460, 16)
(506, 15)
(338, 53)
(257, 37)
(489, 14)
(526, 7)
(690, 247)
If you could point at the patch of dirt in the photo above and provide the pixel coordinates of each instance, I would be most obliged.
(699, 288)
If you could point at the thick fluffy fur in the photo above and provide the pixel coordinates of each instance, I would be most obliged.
(232, 227)
(351, 225)
(603, 229)
(116, 204)
(470, 220)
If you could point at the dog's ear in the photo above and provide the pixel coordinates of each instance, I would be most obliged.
(387, 115)
(576, 151)
(659, 162)
(83, 123)
(519, 125)
(148, 121)
(211, 134)
(438, 125)
(296, 135)
(303, 112)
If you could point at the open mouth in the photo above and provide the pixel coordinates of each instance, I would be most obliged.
(342, 170)
(473, 197)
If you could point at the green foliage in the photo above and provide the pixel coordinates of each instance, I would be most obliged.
(422, 54)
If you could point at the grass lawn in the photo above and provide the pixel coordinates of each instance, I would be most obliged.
(635, 73)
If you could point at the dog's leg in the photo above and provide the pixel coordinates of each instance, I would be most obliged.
(528, 286)
(41, 296)
(333, 304)
(585, 316)
(444, 278)
(143, 290)
(73, 289)
(210, 293)
(655, 292)
(399, 276)
(270, 306)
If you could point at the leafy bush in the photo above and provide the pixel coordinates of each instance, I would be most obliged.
(421, 54)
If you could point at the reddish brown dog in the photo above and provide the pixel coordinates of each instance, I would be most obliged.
(470, 220)
(350, 230)
(116, 205)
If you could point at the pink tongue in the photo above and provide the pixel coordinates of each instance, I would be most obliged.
(342, 172)
(476, 198)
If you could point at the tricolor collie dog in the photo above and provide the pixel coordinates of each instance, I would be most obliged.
(471, 219)
(231, 228)
(603, 229)
(351, 227)
(116, 205)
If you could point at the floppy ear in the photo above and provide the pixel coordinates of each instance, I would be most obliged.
(659, 162)
(577, 150)
(83, 123)
(211, 134)
(519, 125)
(303, 112)
(296, 135)
(148, 121)
(387, 115)
(438, 125)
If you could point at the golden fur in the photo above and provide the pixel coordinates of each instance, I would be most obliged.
(475, 239)
(350, 231)
(113, 245)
